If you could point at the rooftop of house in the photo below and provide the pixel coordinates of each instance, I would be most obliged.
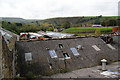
(56, 51)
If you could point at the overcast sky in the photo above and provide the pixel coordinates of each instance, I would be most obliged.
(42, 9)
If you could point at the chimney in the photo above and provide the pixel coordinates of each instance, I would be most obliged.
(104, 64)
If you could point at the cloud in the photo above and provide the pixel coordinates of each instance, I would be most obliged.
(41, 9)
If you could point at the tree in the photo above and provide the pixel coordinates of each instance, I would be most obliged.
(97, 22)
(18, 24)
(97, 32)
(43, 28)
(50, 29)
(118, 22)
(66, 25)
(103, 23)
(100, 16)
(112, 23)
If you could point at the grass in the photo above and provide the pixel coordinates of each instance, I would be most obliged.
(86, 31)
(90, 29)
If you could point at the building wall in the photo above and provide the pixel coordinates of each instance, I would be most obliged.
(7, 53)
(0, 56)
(7, 61)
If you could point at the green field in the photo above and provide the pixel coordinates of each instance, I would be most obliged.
(87, 31)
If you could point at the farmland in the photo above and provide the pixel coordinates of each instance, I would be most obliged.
(87, 31)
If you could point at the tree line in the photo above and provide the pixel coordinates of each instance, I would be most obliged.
(25, 27)
(31, 27)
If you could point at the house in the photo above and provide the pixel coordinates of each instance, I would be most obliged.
(55, 56)
(30, 35)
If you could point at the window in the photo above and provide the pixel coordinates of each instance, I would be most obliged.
(28, 56)
(60, 46)
(96, 48)
(74, 51)
(53, 54)
(66, 56)
(110, 46)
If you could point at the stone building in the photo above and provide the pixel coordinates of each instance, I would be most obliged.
(52, 56)
(7, 54)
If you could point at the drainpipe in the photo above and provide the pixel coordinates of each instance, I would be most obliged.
(104, 64)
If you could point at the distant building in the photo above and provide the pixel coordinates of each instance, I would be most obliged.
(41, 35)
(95, 25)
(56, 35)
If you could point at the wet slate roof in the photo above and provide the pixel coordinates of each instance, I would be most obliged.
(116, 41)
(88, 55)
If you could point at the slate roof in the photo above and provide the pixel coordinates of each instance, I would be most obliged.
(41, 59)
(116, 41)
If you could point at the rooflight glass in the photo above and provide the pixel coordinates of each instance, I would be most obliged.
(53, 54)
(28, 56)
(74, 51)
(96, 48)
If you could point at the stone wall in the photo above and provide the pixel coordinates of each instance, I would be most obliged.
(0, 56)
(7, 53)
(7, 60)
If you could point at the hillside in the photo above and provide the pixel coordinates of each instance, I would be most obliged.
(79, 21)
(15, 19)
(74, 21)
(18, 25)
